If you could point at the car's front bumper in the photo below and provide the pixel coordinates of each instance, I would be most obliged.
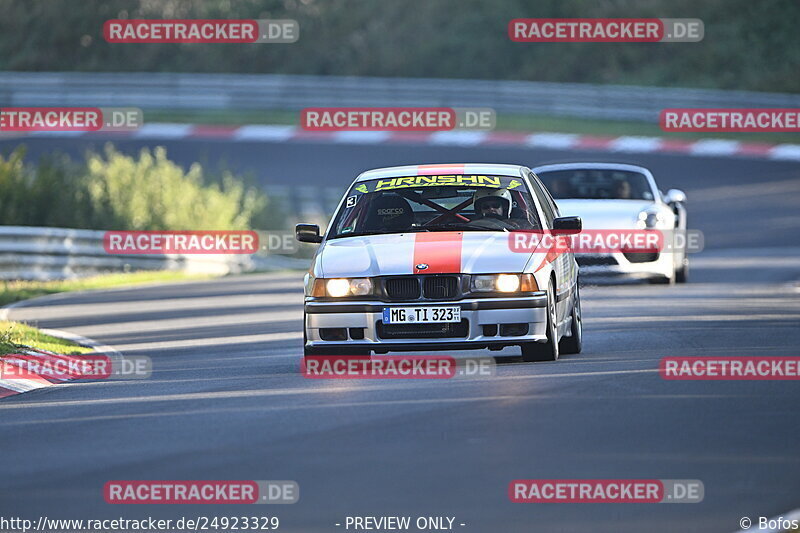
(616, 264)
(367, 317)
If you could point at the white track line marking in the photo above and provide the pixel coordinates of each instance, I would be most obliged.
(715, 147)
(636, 144)
(552, 140)
(264, 133)
(163, 131)
(361, 137)
(785, 151)
(457, 138)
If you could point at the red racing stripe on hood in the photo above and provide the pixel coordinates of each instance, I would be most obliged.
(441, 251)
(549, 258)
(552, 254)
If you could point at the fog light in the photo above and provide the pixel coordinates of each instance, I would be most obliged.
(513, 330)
(333, 334)
(489, 330)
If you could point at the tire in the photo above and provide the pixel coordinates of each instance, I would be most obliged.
(663, 280)
(682, 274)
(544, 351)
(305, 338)
(574, 343)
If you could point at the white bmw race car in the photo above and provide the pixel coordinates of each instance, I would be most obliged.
(621, 197)
(418, 258)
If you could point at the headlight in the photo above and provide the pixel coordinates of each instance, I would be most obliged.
(504, 283)
(484, 283)
(649, 219)
(507, 283)
(342, 287)
(338, 287)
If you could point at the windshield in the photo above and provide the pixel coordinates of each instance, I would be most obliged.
(435, 203)
(597, 184)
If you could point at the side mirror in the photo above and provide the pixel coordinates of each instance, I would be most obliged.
(307, 233)
(568, 225)
(675, 196)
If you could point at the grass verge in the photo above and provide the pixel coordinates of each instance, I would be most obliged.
(13, 336)
(14, 291)
(505, 122)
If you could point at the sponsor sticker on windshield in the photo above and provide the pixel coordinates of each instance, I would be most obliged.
(457, 180)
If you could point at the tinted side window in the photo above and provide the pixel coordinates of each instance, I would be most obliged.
(544, 200)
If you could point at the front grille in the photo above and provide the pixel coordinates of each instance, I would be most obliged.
(584, 260)
(440, 287)
(402, 288)
(423, 331)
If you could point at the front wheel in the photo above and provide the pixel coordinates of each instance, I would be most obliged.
(544, 351)
(574, 343)
(682, 274)
(663, 280)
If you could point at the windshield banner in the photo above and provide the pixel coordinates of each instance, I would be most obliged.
(457, 180)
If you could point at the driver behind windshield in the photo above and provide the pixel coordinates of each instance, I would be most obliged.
(622, 190)
(493, 206)
(492, 203)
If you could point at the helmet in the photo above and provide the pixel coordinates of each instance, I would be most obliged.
(484, 193)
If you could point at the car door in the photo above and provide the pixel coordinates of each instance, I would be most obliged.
(570, 269)
(564, 264)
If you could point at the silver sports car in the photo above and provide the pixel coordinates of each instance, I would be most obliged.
(419, 258)
(621, 197)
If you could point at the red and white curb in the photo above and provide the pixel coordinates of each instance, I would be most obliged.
(25, 360)
(46, 360)
(557, 141)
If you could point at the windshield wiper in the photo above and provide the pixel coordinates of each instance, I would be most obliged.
(379, 232)
(450, 226)
(359, 234)
(455, 225)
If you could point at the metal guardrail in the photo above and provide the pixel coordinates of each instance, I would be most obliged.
(36, 253)
(170, 91)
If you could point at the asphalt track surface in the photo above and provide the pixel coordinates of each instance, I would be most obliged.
(226, 400)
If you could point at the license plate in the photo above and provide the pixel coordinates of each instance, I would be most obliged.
(421, 315)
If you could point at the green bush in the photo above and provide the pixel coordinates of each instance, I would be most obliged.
(47, 195)
(117, 191)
